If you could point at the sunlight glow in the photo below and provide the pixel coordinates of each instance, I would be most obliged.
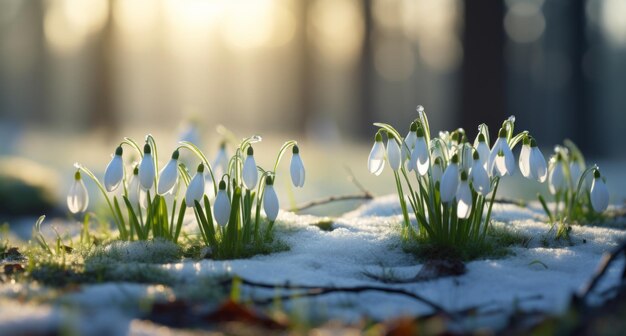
(337, 29)
(68, 23)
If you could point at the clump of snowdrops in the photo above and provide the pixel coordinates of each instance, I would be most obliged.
(451, 184)
(153, 202)
(575, 200)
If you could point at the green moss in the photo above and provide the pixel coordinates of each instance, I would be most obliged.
(496, 245)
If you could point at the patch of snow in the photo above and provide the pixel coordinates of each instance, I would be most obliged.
(541, 277)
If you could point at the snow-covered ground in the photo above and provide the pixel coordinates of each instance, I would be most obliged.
(362, 241)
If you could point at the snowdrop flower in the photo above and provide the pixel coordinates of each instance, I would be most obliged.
(532, 164)
(483, 151)
(466, 157)
(420, 159)
(409, 143)
(437, 170)
(136, 195)
(296, 168)
(168, 175)
(220, 164)
(501, 159)
(250, 174)
(270, 200)
(221, 208)
(394, 154)
(450, 180)
(556, 178)
(195, 190)
(479, 176)
(376, 160)
(114, 172)
(575, 170)
(463, 197)
(146, 169)
(78, 198)
(599, 193)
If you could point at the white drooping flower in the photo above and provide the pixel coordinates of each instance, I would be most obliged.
(483, 151)
(136, 195)
(463, 198)
(556, 176)
(599, 193)
(450, 180)
(501, 159)
(146, 169)
(168, 175)
(221, 208)
(394, 154)
(465, 151)
(195, 190)
(409, 143)
(420, 159)
(437, 170)
(114, 172)
(479, 176)
(296, 168)
(250, 173)
(78, 197)
(532, 164)
(376, 159)
(575, 170)
(270, 200)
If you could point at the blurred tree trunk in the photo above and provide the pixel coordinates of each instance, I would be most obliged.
(483, 91)
(365, 114)
(103, 114)
(306, 74)
(579, 82)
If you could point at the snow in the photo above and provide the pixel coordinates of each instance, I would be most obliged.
(542, 276)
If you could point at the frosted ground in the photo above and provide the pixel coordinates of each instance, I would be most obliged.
(540, 277)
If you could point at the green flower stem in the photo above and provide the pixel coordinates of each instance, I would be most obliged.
(194, 149)
(493, 198)
(118, 223)
(581, 181)
(282, 151)
(405, 214)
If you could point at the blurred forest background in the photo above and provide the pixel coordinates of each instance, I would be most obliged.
(321, 70)
(328, 67)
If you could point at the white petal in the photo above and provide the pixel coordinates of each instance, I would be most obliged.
(467, 159)
(436, 173)
(408, 145)
(599, 195)
(221, 208)
(449, 182)
(168, 177)
(422, 162)
(195, 190)
(538, 167)
(464, 200)
(509, 159)
(480, 178)
(270, 203)
(250, 173)
(575, 171)
(114, 173)
(524, 161)
(297, 170)
(556, 180)
(78, 198)
(146, 172)
(394, 154)
(494, 153)
(483, 153)
(376, 160)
